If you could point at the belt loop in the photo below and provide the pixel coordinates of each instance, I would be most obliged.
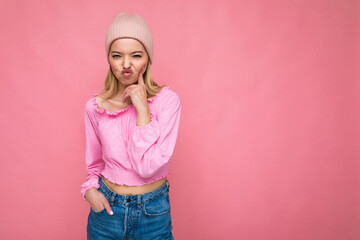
(112, 199)
(138, 201)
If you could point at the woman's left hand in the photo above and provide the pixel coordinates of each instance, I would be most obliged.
(137, 93)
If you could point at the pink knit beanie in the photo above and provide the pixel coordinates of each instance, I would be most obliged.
(129, 25)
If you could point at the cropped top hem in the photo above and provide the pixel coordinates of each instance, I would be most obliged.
(131, 178)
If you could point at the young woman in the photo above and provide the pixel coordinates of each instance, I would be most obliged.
(131, 129)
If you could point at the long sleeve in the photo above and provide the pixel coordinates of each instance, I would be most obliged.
(152, 145)
(93, 151)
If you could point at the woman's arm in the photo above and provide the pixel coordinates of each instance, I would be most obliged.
(93, 150)
(152, 145)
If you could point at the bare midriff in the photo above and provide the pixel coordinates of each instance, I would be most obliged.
(134, 190)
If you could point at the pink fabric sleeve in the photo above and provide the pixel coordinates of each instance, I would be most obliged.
(93, 151)
(151, 146)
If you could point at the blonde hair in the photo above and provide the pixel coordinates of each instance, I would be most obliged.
(111, 84)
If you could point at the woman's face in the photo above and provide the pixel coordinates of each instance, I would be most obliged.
(127, 54)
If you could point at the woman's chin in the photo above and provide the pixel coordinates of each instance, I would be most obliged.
(127, 81)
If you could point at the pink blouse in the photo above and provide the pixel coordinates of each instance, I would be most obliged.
(125, 153)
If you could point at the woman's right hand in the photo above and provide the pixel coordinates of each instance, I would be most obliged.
(97, 200)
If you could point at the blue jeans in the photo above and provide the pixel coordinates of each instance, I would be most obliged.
(145, 216)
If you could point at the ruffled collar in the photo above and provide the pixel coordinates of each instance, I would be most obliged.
(96, 106)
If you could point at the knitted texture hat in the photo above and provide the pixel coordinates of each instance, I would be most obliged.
(133, 26)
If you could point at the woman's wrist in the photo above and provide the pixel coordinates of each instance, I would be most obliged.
(143, 117)
(89, 191)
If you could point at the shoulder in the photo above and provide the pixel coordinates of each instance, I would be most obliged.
(169, 97)
(167, 93)
(90, 105)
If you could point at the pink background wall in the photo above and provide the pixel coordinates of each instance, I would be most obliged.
(268, 147)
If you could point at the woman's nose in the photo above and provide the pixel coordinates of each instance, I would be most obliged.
(126, 62)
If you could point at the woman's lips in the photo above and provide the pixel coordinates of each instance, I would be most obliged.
(127, 72)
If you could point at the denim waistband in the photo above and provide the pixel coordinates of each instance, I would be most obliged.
(115, 197)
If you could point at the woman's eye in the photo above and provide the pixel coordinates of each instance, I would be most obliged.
(120, 56)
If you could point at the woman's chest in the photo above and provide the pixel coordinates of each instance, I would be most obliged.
(115, 130)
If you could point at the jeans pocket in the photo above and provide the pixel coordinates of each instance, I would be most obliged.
(97, 212)
(158, 206)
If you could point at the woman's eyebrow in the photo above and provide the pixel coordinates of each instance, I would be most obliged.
(121, 52)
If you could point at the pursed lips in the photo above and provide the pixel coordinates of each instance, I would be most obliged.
(127, 71)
